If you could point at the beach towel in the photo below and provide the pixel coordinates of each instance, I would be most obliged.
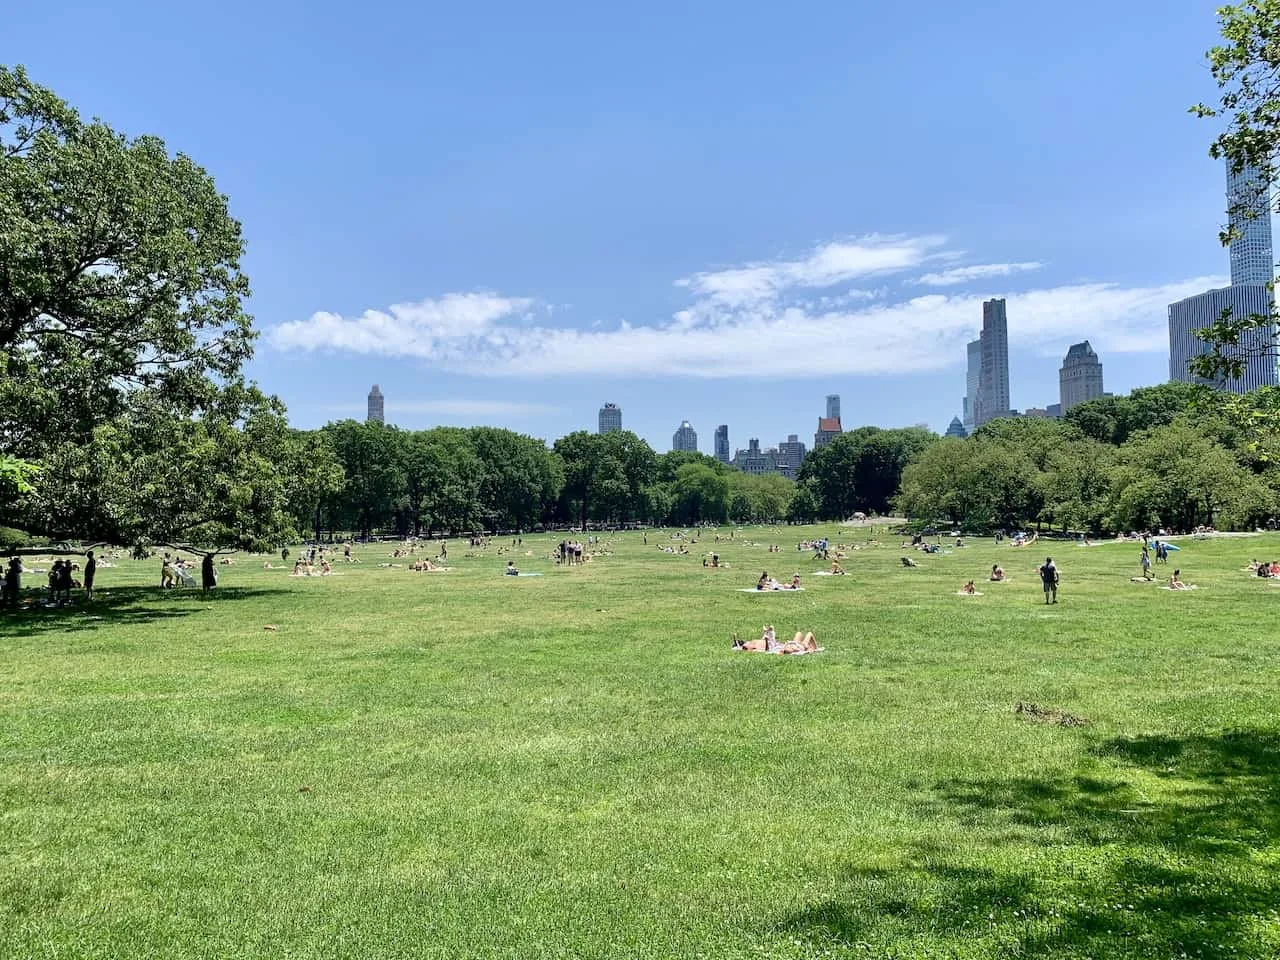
(780, 590)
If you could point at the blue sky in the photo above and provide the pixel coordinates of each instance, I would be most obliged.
(509, 213)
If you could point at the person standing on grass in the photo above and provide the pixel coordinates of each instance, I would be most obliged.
(1049, 579)
(13, 581)
(1146, 563)
(208, 577)
(90, 571)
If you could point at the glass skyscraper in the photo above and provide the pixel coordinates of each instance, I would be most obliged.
(610, 418)
(1249, 217)
(1250, 293)
(685, 438)
(993, 376)
(722, 443)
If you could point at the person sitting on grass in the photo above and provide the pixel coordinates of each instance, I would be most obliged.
(997, 573)
(1175, 582)
(766, 582)
(836, 569)
(325, 569)
(795, 581)
(511, 570)
(969, 588)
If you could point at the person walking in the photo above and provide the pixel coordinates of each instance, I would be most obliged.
(90, 571)
(1049, 579)
(13, 581)
(208, 576)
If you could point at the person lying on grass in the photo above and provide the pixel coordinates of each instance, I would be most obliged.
(1175, 582)
(908, 562)
(802, 642)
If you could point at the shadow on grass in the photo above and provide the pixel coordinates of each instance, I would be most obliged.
(116, 606)
(1108, 869)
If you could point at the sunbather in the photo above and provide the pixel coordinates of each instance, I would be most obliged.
(997, 573)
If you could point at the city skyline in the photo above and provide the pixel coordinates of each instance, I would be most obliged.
(481, 283)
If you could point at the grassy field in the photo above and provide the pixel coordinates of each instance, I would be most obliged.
(464, 764)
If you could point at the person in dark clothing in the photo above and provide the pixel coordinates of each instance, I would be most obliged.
(13, 581)
(208, 576)
(90, 571)
(1049, 579)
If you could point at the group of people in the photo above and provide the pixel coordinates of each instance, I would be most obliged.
(802, 642)
(767, 582)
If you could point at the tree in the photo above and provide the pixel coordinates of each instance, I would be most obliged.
(370, 454)
(520, 479)
(699, 495)
(313, 476)
(1176, 477)
(119, 271)
(150, 477)
(861, 470)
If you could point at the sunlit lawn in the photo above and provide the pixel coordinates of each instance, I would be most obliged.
(465, 764)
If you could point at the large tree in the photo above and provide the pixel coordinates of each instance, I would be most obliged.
(119, 271)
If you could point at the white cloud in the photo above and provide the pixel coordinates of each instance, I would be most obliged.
(412, 329)
(981, 271)
(828, 265)
(759, 320)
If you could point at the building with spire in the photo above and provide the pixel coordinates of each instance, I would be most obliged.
(685, 438)
(1080, 377)
(609, 419)
(377, 409)
(956, 429)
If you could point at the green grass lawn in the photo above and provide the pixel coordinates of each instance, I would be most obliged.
(465, 764)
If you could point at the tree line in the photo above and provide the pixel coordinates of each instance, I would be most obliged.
(125, 415)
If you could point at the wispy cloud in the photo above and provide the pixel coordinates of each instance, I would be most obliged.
(982, 271)
(790, 317)
(404, 329)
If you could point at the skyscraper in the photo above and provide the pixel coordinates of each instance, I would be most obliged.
(1249, 217)
(956, 429)
(791, 454)
(722, 443)
(610, 419)
(1204, 309)
(972, 374)
(376, 408)
(993, 377)
(685, 438)
(833, 406)
(1250, 293)
(1080, 377)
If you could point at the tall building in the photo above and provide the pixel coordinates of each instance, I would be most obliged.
(956, 429)
(686, 438)
(1080, 377)
(828, 430)
(377, 409)
(1204, 309)
(993, 376)
(791, 454)
(610, 418)
(1250, 293)
(1249, 217)
(722, 443)
(833, 406)
(972, 374)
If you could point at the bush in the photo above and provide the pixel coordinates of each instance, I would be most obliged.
(13, 539)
